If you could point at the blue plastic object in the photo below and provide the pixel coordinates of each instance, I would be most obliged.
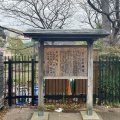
(21, 101)
(36, 94)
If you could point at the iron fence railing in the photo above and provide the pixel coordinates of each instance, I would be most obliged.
(109, 79)
(21, 83)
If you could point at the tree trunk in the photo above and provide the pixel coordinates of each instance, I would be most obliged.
(105, 22)
(116, 29)
(114, 39)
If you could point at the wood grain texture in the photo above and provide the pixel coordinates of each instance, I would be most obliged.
(90, 78)
(66, 62)
(41, 75)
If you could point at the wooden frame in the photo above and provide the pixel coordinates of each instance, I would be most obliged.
(67, 35)
(89, 76)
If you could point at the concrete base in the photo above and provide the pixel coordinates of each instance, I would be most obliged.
(36, 117)
(87, 117)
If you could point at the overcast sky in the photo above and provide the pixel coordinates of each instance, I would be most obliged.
(75, 22)
(12, 23)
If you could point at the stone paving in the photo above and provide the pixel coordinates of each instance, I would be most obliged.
(26, 114)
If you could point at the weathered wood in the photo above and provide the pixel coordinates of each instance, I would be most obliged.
(82, 83)
(65, 62)
(66, 77)
(55, 86)
(80, 86)
(65, 46)
(90, 79)
(41, 75)
(66, 35)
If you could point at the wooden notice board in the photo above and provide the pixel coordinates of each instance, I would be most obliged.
(58, 86)
(65, 62)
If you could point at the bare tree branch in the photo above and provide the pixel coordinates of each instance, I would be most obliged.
(91, 17)
(42, 14)
(112, 14)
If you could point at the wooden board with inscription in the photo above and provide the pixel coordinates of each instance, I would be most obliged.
(65, 62)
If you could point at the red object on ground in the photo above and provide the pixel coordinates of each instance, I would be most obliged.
(69, 92)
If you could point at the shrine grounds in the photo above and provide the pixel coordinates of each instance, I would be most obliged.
(25, 113)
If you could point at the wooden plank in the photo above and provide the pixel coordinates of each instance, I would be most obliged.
(53, 88)
(56, 86)
(80, 86)
(81, 81)
(65, 62)
(65, 77)
(65, 46)
(40, 77)
(90, 79)
(95, 54)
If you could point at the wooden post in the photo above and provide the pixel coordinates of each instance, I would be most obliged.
(90, 79)
(40, 80)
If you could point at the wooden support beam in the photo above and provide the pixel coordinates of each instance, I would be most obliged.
(65, 46)
(65, 77)
(40, 80)
(90, 79)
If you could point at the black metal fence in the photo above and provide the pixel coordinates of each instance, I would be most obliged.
(21, 83)
(20, 80)
(109, 79)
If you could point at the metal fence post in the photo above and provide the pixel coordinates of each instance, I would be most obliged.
(9, 83)
(99, 90)
(33, 73)
(1, 81)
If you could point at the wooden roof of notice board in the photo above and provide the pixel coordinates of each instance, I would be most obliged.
(66, 34)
